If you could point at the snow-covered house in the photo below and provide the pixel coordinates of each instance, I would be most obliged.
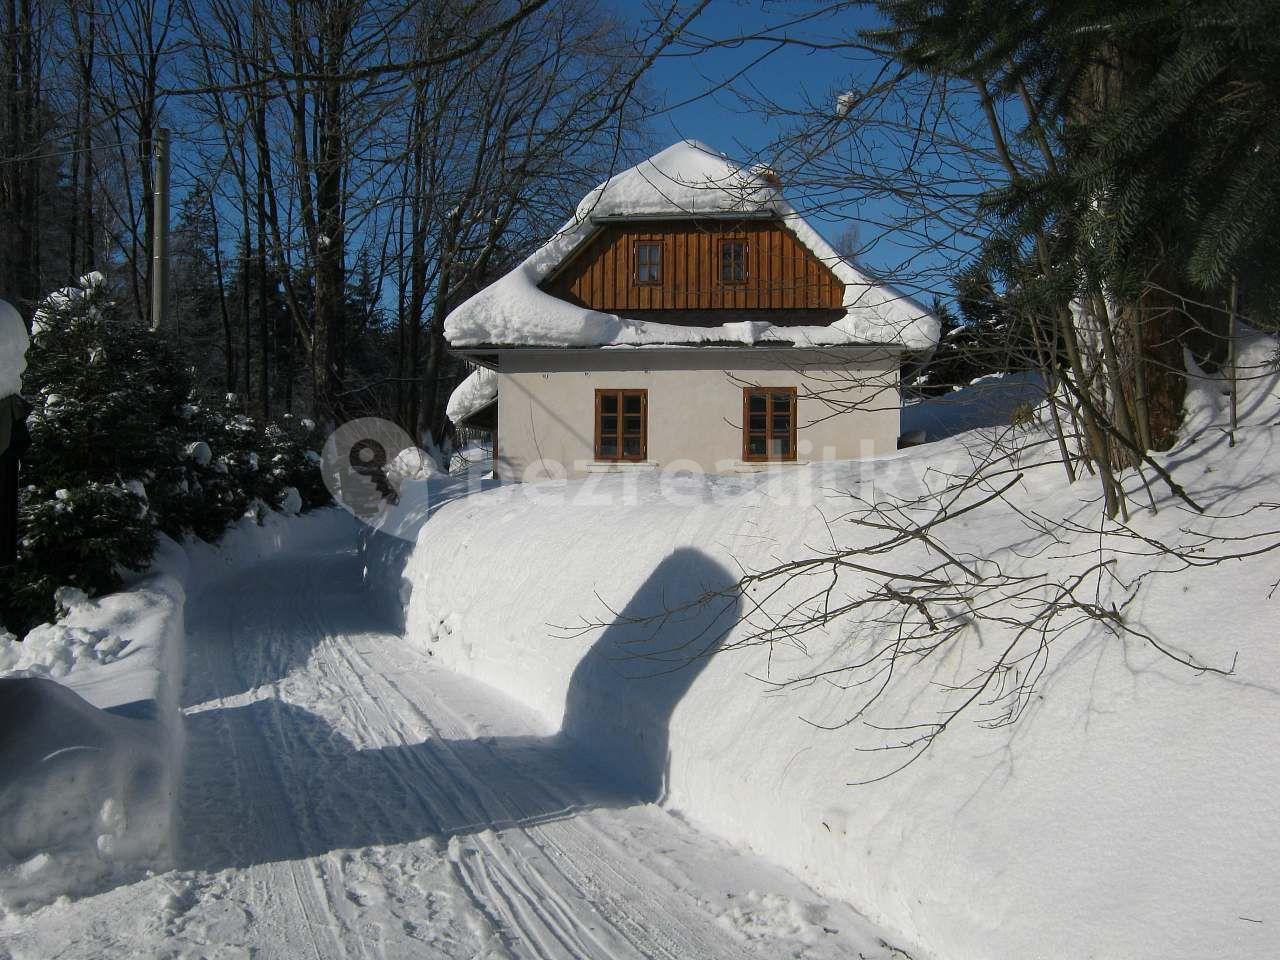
(686, 317)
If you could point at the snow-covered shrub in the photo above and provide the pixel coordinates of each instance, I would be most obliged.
(249, 463)
(110, 419)
(122, 446)
(287, 459)
(82, 536)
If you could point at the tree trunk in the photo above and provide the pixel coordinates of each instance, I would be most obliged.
(1146, 329)
(264, 321)
(330, 313)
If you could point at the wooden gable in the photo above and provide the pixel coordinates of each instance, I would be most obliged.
(781, 273)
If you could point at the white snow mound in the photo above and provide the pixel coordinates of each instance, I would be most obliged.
(291, 502)
(1122, 815)
(686, 179)
(473, 394)
(13, 350)
(412, 463)
(83, 798)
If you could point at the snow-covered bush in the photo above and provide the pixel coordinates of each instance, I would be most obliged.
(239, 462)
(83, 536)
(122, 446)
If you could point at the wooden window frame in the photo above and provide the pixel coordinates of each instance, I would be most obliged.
(635, 262)
(747, 433)
(621, 456)
(746, 253)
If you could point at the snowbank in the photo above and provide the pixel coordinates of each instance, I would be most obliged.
(990, 401)
(1126, 813)
(473, 394)
(686, 179)
(387, 540)
(13, 350)
(86, 797)
(91, 763)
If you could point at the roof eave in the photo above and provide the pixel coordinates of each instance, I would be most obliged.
(730, 215)
(480, 353)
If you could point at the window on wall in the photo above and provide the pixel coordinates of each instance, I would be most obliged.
(622, 424)
(648, 263)
(769, 423)
(733, 261)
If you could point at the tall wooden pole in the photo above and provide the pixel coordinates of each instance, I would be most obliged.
(160, 231)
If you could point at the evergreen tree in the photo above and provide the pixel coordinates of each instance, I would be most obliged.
(105, 395)
(1152, 133)
(123, 446)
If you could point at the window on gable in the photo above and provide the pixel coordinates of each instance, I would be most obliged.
(648, 262)
(622, 424)
(733, 261)
(769, 423)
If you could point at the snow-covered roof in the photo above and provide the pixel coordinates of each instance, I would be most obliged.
(473, 394)
(688, 179)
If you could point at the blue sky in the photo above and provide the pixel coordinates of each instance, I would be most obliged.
(790, 77)
(786, 75)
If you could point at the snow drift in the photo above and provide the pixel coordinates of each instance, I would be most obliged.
(85, 798)
(473, 394)
(89, 765)
(1126, 813)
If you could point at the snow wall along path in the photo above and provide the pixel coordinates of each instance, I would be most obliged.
(1126, 815)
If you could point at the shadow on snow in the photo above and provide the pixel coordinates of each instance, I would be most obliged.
(611, 752)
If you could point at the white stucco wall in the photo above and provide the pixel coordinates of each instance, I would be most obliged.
(848, 404)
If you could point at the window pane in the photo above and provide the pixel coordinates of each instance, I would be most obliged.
(756, 422)
(782, 424)
(631, 447)
(608, 425)
(632, 425)
(608, 403)
(779, 446)
(755, 446)
(733, 261)
(781, 402)
(757, 402)
(648, 262)
(631, 403)
(608, 447)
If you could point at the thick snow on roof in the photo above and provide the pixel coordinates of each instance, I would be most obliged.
(473, 394)
(686, 179)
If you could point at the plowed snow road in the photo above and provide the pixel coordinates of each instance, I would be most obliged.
(344, 797)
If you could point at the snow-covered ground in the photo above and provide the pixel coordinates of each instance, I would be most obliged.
(345, 796)
(505, 781)
(1125, 814)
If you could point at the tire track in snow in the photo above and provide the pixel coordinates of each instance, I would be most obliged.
(645, 939)
(392, 825)
(256, 777)
(502, 881)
